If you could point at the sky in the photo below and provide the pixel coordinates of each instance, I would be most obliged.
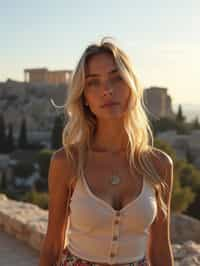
(161, 37)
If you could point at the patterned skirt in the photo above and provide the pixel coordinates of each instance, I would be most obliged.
(68, 259)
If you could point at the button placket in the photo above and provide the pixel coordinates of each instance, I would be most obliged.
(115, 236)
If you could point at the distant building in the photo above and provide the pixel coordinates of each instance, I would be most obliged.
(158, 102)
(43, 75)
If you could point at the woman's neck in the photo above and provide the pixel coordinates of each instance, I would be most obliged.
(110, 137)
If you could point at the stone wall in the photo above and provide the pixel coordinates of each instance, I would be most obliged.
(28, 222)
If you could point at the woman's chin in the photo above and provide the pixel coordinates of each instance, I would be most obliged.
(111, 115)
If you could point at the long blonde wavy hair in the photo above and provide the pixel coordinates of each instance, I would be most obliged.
(81, 122)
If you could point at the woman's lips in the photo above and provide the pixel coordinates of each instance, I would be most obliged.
(109, 105)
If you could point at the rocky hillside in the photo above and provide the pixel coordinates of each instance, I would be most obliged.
(21, 99)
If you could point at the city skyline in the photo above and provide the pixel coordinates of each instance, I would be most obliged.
(160, 37)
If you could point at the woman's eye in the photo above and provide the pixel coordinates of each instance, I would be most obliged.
(94, 82)
(117, 79)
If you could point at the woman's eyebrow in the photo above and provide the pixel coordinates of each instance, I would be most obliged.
(97, 75)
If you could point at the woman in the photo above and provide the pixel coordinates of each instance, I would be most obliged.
(119, 212)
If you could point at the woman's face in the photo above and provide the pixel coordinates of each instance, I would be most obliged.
(103, 84)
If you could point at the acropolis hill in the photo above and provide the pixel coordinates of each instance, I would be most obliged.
(31, 98)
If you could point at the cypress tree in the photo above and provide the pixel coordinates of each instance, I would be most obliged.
(10, 139)
(189, 157)
(195, 123)
(2, 134)
(22, 140)
(56, 136)
(180, 117)
(3, 182)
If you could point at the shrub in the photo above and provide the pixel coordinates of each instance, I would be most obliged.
(38, 198)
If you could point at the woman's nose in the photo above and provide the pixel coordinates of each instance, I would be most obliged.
(107, 88)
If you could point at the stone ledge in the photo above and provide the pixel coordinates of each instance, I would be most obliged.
(184, 228)
(28, 222)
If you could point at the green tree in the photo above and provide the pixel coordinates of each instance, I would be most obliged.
(38, 198)
(181, 197)
(41, 185)
(10, 139)
(182, 193)
(194, 207)
(181, 126)
(180, 117)
(3, 182)
(164, 146)
(163, 124)
(23, 169)
(43, 160)
(189, 156)
(188, 178)
(195, 123)
(2, 134)
(56, 137)
(22, 140)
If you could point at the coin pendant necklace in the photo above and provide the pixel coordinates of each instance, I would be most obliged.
(115, 179)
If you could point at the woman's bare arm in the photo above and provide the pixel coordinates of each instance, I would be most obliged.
(58, 186)
(160, 247)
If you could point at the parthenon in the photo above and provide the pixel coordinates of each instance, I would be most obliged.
(43, 75)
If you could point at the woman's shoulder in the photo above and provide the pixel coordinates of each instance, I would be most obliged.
(59, 157)
(60, 154)
(62, 163)
(160, 157)
(164, 164)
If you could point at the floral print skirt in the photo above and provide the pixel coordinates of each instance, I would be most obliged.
(68, 259)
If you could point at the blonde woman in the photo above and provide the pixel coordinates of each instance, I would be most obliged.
(119, 212)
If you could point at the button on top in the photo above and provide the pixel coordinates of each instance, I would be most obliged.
(115, 237)
(112, 254)
(116, 222)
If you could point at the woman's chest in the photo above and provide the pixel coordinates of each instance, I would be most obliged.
(112, 181)
(96, 203)
(90, 213)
